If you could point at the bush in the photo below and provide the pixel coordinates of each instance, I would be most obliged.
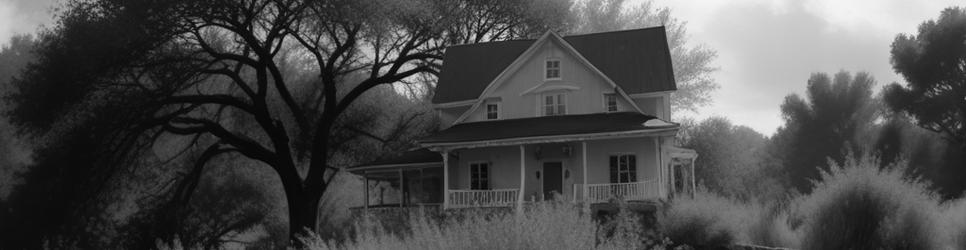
(859, 206)
(706, 220)
(954, 219)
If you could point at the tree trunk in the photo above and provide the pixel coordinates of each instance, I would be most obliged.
(303, 212)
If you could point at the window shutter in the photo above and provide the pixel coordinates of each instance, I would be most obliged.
(632, 167)
(613, 169)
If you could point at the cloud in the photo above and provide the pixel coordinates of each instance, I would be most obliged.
(768, 48)
(23, 16)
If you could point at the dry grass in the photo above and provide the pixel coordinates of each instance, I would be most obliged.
(549, 225)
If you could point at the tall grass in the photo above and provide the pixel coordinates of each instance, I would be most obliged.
(548, 225)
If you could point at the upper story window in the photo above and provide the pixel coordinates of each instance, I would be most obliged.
(610, 102)
(623, 168)
(552, 69)
(480, 176)
(555, 104)
(493, 111)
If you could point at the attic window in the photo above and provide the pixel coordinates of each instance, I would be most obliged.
(610, 102)
(552, 69)
(493, 111)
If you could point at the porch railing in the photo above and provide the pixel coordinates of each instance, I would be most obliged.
(595, 193)
(482, 198)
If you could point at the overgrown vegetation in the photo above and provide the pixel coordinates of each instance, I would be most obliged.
(548, 225)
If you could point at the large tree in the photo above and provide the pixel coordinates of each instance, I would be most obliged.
(825, 126)
(194, 68)
(934, 66)
(692, 63)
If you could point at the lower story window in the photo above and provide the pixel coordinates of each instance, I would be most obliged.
(480, 176)
(623, 168)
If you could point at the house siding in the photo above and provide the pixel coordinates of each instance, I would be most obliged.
(587, 99)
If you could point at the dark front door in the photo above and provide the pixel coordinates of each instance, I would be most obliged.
(552, 179)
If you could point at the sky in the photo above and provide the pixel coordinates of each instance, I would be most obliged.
(766, 48)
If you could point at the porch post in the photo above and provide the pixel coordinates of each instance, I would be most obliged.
(523, 177)
(694, 188)
(365, 179)
(402, 188)
(445, 154)
(583, 189)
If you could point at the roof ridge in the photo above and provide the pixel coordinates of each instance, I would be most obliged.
(491, 42)
(615, 31)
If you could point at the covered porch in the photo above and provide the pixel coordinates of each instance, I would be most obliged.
(593, 161)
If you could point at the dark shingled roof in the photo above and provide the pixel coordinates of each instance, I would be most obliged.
(408, 157)
(638, 61)
(542, 126)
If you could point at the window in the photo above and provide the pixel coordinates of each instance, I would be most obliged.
(555, 104)
(492, 111)
(610, 102)
(552, 69)
(480, 176)
(623, 168)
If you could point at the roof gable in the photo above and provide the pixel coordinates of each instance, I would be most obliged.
(638, 61)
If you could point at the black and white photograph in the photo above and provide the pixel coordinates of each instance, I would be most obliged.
(483, 124)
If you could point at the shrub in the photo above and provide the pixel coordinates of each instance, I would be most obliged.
(859, 206)
(706, 220)
(772, 228)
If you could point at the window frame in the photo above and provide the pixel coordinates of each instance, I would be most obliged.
(486, 111)
(607, 106)
(629, 173)
(558, 105)
(547, 68)
(482, 176)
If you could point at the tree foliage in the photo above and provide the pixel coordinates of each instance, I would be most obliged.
(933, 64)
(273, 81)
(692, 64)
(825, 126)
(732, 159)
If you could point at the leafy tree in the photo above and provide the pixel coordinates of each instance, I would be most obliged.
(932, 63)
(117, 77)
(731, 159)
(692, 64)
(824, 127)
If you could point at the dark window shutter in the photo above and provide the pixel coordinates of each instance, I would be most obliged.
(632, 167)
(613, 169)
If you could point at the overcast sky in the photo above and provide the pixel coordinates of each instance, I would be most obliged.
(766, 48)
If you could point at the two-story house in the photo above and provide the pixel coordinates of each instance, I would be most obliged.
(583, 118)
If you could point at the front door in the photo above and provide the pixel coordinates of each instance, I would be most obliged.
(552, 179)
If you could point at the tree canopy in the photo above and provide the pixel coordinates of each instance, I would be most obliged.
(933, 63)
(267, 80)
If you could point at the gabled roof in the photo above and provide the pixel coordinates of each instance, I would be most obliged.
(638, 61)
(544, 126)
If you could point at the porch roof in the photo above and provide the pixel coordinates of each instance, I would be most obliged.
(548, 126)
(413, 158)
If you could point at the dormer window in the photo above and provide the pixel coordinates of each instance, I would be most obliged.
(493, 111)
(610, 102)
(554, 104)
(552, 69)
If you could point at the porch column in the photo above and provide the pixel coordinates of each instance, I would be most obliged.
(445, 154)
(694, 188)
(365, 179)
(402, 188)
(523, 177)
(583, 189)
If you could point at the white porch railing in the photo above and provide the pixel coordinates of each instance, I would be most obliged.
(482, 198)
(595, 193)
